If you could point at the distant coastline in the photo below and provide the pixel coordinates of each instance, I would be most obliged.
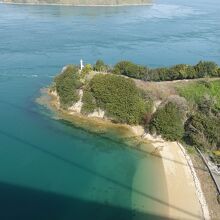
(89, 3)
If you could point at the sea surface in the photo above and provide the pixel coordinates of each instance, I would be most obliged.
(52, 170)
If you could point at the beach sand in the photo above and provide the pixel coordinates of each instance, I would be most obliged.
(185, 197)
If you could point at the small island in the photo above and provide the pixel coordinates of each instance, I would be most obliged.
(176, 109)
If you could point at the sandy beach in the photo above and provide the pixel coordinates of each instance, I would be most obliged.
(185, 198)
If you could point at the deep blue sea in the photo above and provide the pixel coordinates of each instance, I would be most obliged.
(51, 170)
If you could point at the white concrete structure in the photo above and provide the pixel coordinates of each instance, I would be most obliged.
(81, 64)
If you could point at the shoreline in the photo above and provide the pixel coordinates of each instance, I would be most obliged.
(181, 179)
(175, 158)
(73, 5)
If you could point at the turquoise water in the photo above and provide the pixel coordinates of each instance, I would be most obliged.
(51, 170)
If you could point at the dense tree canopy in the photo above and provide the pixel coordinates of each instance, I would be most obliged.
(119, 97)
(100, 66)
(66, 85)
(177, 72)
(206, 68)
(130, 69)
(203, 131)
(89, 102)
(168, 122)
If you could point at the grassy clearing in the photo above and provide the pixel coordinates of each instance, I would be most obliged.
(195, 91)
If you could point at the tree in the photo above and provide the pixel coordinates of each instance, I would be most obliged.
(119, 97)
(168, 122)
(177, 72)
(207, 104)
(180, 103)
(130, 69)
(182, 71)
(87, 69)
(66, 85)
(218, 72)
(89, 103)
(206, 68)
(100, 66)
(203, 131)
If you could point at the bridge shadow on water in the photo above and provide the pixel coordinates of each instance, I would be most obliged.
(22, 203)
(56, 206)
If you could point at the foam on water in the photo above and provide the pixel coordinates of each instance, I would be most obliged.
(168, 11)
(26, 75)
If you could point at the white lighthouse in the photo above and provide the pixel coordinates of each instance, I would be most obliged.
(81, 64)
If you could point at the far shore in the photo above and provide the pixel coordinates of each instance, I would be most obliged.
(36, 3)
(185, 197)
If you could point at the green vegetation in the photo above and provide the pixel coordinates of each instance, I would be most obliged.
(89, 103)
(196, 121)
(119, 97)
(168, 122)
(129, 69)
(194, 92)
(86, 70)
(189, 111)
(177, 72)
(66, 85)
(215, 156)
(203, 131)
(207, 69)
(100, 66)
(202, 128)
(147, 99)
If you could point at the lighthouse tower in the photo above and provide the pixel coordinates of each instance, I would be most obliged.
(81, 64)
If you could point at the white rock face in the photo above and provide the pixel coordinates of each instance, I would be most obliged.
(138, 130)
(97, 114)
(54, 93)
(78, 105)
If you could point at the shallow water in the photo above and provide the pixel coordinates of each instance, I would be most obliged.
(50, 170)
